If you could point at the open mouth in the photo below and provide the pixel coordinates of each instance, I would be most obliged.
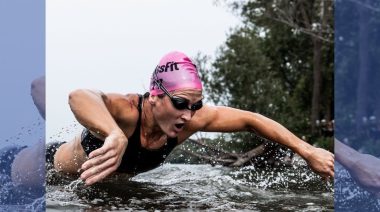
(179, 126)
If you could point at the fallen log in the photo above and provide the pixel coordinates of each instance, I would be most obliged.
(267, 153)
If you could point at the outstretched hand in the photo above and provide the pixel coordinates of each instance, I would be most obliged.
(321, 162)
(105, 160)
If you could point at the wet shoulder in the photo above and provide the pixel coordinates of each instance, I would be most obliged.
(124, 109)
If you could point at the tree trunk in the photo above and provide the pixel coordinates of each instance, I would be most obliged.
(317, 68)
(317, 81)
(362, 89)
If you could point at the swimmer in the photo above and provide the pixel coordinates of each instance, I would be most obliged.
(134, 133)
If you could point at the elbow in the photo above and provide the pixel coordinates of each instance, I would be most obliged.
(76, 95)
(84, 96)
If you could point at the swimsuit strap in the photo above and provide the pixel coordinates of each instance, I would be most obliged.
(139, 106)
(136, 134)
(138, 125)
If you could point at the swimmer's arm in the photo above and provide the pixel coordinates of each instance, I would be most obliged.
(95, 111)
(226, 119)
(98, 112)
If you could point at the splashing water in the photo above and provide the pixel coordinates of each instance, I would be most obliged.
(198, 187)
(351, 197)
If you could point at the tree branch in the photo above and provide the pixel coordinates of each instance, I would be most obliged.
(301, 29)
(208, 158)
(249, 155)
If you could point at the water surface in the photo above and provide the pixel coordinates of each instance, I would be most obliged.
(197, 187)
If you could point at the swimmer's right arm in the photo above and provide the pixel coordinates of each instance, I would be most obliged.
(95, 110)
(92, 109)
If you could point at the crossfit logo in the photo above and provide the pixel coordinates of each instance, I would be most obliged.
(170, 66)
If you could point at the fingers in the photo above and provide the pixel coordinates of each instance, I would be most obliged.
(103, 161)
(329, 170)
(97, 160)
(327, 176)
(100, 176)
(108, 145)
(96, 170)
(331, 174)
(102, 150)
(332, 171)
(325, 167)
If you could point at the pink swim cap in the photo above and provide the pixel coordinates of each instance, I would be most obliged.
(175, 71)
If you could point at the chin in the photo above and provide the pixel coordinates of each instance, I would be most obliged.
(172, 134)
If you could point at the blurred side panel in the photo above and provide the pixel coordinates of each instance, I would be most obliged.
(22, 107)
(357, 105)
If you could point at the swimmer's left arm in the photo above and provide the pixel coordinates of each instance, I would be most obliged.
(226, 119)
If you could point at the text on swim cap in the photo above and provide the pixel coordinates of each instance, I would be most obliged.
(169, 66)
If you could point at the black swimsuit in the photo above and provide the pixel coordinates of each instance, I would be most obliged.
(136, 159)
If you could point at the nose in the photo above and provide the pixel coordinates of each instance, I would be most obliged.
(187, 115)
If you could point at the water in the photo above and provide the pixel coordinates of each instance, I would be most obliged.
(351, 197)
(196, 187)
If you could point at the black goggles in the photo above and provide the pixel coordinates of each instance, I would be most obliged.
(178, 102)
(181, 103)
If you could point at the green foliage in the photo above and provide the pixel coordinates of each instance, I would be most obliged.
(325, 143)
(266, 65)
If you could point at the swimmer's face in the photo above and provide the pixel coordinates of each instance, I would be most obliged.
(169, 118)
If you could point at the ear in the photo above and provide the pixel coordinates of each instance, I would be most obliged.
(152, 99)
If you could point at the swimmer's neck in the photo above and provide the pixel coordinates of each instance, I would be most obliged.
(149, 126)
